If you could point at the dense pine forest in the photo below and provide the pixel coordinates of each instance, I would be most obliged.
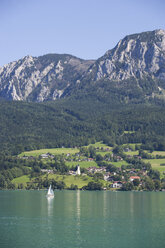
(80, 121)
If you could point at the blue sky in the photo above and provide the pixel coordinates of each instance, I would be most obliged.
(84, 28)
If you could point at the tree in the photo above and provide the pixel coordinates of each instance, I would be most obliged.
(154, 174)
(37, 169)
(118, 150)
(99, 157)
(127, 186)
(136, 182)
(111, 168)
(149, 184)
(92, 152)
(2, 182)
(73, 187)
(157, 184)
(93, 186)
(98, 176)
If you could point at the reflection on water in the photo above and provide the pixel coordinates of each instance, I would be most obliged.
(81, 219)
(78, 205)
(50, 206)
(78, 213)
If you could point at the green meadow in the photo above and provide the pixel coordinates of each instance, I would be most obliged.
(83, 164)
(156, 164)
(80, 181)
(100, 144)
(103, 153)
(131, 145)
(162, 153)
(132, 153)
(23, 179)
(119, 163)
(53, 151)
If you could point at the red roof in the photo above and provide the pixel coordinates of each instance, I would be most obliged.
(134, 177)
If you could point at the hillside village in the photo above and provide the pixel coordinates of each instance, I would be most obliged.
(95, 167)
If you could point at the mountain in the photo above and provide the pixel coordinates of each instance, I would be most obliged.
(118, 98)
(40, 79)
(134, 70)
(138, 56)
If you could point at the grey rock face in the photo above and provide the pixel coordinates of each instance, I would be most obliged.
(40, 79)
(135, 56)
(49, 77)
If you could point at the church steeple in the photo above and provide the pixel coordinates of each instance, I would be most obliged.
(78, 172)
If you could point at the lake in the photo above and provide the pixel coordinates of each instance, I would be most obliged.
(82, 219)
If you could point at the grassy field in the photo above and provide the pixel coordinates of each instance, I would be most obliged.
(23, 179)
(83, 164)
(54, 151)
(131, 145)
(156, 164)
(104, 153)
(119, 163)
(100, 144)
(162, 153)
(132, 153)
(80, 181)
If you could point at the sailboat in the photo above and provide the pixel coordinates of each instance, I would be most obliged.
(50, 193)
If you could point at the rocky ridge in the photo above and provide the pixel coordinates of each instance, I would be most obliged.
(40, 79)
(138, 56)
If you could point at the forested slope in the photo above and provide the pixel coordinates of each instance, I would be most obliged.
(76, 122)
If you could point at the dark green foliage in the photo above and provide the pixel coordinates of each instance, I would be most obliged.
(157, 184)
(93, 186)
(136, 182)
(127, 186)
(98, 176)
(111, 168)
(149, 184)
(93, 114)
(154, 174)
(73, 187)
(55, 184)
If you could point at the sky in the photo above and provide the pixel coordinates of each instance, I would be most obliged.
(83, 28)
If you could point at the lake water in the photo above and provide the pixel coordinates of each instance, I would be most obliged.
(82, 219)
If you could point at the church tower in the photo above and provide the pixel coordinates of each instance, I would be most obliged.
(78, 172)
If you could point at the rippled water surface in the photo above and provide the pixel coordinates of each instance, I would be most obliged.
(82, 219)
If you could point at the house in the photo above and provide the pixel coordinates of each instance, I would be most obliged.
(127, 149)
(117, 184)
(94, 169)
(133, 178)
(119, 158)
(44, 155)
(47, 155)
(90, 159)
(101, 169)
(106, 176)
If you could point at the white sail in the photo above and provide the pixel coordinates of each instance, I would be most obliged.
(50, 192)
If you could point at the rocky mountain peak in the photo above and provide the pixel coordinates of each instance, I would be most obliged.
(137, 56)
(40, 79)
